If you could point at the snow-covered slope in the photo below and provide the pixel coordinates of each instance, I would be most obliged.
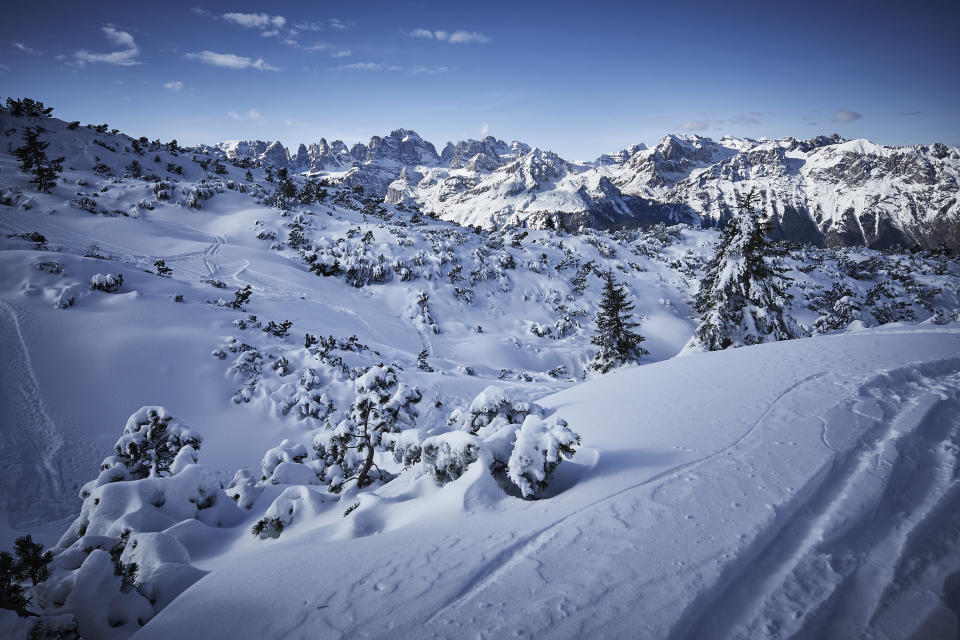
(721, 491)
(809, 490)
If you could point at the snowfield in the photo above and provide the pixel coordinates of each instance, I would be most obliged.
(821, 502)
(805, 488)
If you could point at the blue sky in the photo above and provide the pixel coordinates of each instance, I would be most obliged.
(578, 78)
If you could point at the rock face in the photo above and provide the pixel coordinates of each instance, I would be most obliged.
(825, 190)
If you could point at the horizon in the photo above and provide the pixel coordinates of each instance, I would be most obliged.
(578, 83)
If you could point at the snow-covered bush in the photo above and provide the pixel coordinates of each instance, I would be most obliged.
(151, 442)
(540, 447)
(382, 405)
(448, 455)
(284, 465)
(106, 282)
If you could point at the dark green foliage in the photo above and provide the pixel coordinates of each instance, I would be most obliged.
(617, 342)
(134, 169)
(12, 594)
(422, 363)
(240, 298)
(162, 268)
(33, 159)
(33, 561)
(29, 562)
(309, 341)
(279, 330)
(28, 108)
(743, 295)
(248, 176)
(267, 527)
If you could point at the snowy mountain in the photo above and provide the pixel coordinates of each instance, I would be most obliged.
(825, 190)
(190, 369)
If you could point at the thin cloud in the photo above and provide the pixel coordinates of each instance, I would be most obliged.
(421, 69)
(124, 57)
(484, 129)
(846, 115)
(695, 125)
(468, 37)
(26, 49)
(252, 114)
(343, 53)
(457, 37)
(909, 113)
(367, 66)
(200, 11)
(341, 25)
(230, 61)
(173, 85)
(255, 20)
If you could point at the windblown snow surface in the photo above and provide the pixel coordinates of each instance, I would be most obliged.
(796, 489)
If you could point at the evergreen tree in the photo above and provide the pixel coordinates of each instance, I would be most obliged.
(150, 442)
(617, 342)
(13, 597)
(33, 561)
(382, 405)
(743, 295)
(33, 159)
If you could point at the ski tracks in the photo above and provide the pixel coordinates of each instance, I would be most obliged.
(33, 493)
(830, 559)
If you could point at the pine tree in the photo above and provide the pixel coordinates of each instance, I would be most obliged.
(33, 159)
(382, 405)
(743, 295)
(617, 342)
(150, 442)
(33, 561)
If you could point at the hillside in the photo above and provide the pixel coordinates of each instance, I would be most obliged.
(727, 491)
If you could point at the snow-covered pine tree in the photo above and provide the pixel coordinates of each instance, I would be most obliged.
(382, 405)
(742, 297)
(617, 342)
(150, 443)
(33, 159)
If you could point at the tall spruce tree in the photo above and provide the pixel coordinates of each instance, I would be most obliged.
(33, 159)
(742, 297)
(617, 342)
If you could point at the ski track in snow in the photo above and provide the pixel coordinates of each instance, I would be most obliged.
(34, 493)
(821, 568)
(515, 553)
(826, 551)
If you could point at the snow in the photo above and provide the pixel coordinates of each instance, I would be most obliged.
(743, 518)
(792, 488)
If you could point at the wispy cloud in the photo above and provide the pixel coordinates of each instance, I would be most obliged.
(255, 20)
(422, 69)
(695, 125)
(909, 113)
(341, 25)
(484, 129)
(846, 115)
(252, 114)
(173, 85)
(455, 37)
(124, 57)
(367, 66)
(342, 53)
(200, 11)
(230, 61)
(415, 70)
(26, 49)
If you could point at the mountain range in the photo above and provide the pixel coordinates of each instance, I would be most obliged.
(825, 190)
